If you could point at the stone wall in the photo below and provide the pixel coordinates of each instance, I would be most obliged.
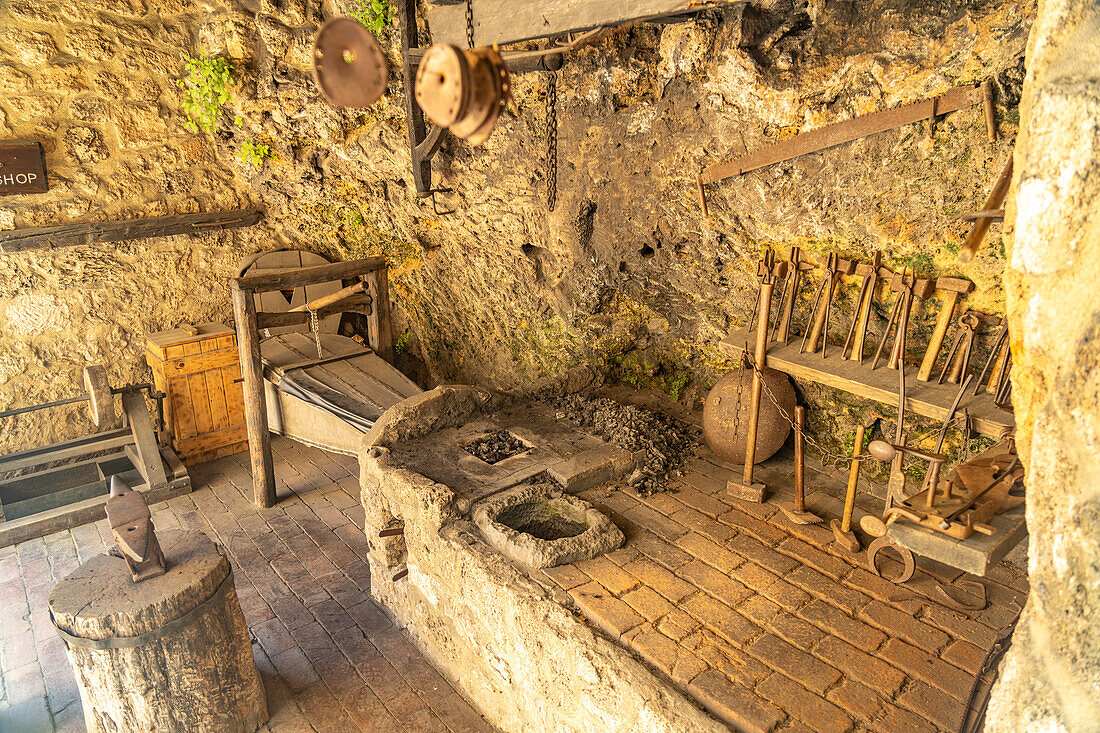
(519, 654)
(1052, 672)
(625, 273)
(94, 81)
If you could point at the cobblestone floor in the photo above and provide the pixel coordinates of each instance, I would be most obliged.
(772, 626)
(331, 660)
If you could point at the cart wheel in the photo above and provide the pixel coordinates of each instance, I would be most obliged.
(906, 558)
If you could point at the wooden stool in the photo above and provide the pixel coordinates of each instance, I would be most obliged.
(171, 653)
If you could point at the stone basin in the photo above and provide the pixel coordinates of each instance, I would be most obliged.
(538, 526)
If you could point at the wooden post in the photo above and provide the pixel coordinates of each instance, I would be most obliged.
(414, 117)
(381, 328)
(255, 402)
(746, 489)
(799, 459)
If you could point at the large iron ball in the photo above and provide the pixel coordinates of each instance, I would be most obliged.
(726, 415)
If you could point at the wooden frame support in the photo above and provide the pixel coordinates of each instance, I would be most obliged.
(418, 130)
(249, 322)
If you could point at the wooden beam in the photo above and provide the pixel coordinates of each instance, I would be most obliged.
(71, 235)
(302, 276)
(418, 130)
(508, 21)
(923, 398)
(255, 401)
(380, 329)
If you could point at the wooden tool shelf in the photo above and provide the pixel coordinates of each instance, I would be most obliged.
(923, 398)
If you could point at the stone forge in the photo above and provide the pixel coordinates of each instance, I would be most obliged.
(511, 644)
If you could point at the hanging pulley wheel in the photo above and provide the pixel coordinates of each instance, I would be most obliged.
(101, 401)
(348, 64)
(464, 91)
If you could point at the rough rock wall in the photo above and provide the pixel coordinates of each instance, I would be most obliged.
(1051, 675)
(625, 274)
(94, 81)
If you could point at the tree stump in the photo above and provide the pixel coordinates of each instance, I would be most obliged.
(171, 653)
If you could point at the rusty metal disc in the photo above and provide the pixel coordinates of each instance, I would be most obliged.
(101, 403)
(348, 64)
(483, 97)
(908, 562)
(503, 83)
(443, 85)
(726, 415)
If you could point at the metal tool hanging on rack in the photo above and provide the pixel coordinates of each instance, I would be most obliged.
(857, 332)
(791, 288)
(907, 287)
(958, 356)
(835, 266)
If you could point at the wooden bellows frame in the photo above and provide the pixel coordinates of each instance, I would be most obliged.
(249, 322)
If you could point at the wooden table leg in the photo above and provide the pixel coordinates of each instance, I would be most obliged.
(255, 402)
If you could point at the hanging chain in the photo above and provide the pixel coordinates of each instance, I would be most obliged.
(470, 23)
(316, 331)
(552, 141)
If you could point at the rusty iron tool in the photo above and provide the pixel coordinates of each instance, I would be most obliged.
(981, 226)
(987, 108)
(348, 64)
(747, 489)
(1003, 393)
(907, 286)
(835, 266)
(1006, 472)
(1000, 368)
(909, 564)
(839, 133)
(998, 344)
(764, 270)
(798, 266)
(857, 332)
(132, 528)
(796, 510)
(952, 288)
(958, 357)
(979, 590)
(884, 451)
(842, 530)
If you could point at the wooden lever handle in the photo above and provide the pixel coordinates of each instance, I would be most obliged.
(326, 300)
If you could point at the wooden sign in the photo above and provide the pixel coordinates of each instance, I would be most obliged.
(22, 168)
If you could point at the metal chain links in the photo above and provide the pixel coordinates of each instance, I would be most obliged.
(552, 141)
(470, 23)
(838, 460)
(316, 332)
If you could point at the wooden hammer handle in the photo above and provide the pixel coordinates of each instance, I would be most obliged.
(853, 477)
(981, 226)
(326, 300)
(935, 343)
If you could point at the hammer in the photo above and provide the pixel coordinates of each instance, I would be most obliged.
(796, 510)
(842, 530)
(952, 288)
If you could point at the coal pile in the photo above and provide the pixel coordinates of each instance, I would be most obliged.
(666, 441)
(495, 447)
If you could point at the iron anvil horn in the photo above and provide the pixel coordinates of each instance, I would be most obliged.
(132, 528)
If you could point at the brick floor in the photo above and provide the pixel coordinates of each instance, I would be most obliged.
(330, 658)
(780, 628)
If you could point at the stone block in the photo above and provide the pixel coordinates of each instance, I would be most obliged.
(591, 468)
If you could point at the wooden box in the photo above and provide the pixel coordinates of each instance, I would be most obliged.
(198, 367)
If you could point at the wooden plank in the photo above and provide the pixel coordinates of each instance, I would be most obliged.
(198, 362)
(380, 325)
(277, 322)
(180, 415)
(173, 337)
(976, 554)
(215, 390)
(307, 275)
(255, 403)
(234, 394)
(924, 398)
(145, 454)
(210, 441)
(22, 168)
(508, 21)
(71, 235)
(67, 449)
(200, 402)
(839, 133)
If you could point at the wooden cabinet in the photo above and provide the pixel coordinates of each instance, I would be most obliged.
(198, 368)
